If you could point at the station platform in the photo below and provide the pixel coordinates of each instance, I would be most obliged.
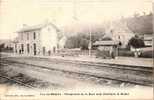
(132, 61)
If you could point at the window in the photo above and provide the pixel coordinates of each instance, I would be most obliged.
(22, 48)
(48, 29)
(16, 48)
(21, 36)
(111, 31)
(27, 36)
(119, 37)
(28, 50)
(43, 50)
(34, 35)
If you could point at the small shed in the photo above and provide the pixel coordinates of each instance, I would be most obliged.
(106, 49)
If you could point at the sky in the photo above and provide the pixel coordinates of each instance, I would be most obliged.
(65, 13)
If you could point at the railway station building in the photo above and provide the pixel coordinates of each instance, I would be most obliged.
(37, 40)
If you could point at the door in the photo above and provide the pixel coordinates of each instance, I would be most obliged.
(28, 48)
(22, 48)
(34, 45)
(43, 50)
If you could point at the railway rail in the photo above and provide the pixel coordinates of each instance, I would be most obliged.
(18, 82)
(87, 73)
(98, 64)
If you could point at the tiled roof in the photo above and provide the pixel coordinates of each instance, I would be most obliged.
(105, 43)
(36, 27)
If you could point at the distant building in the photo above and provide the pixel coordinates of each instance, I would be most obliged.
(36, 40)
(142, 26)
(120, 32)
(148, 39)
(62, 42)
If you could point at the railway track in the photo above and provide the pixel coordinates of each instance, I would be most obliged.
(98, 64)
(84, 73)
(17, 81)
(143, 69)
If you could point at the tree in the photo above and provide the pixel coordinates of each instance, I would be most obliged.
(82, 40)
(1, 46)
(136, 42)
(72, 42)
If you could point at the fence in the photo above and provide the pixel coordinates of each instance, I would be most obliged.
(70, 52)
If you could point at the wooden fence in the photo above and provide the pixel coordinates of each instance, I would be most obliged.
(75, 52)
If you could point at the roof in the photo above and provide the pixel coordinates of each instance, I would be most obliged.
(37, 27)
(105, 43)
(119, 26)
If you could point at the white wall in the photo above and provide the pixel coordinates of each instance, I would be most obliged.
(49, 38)
(22, 38)
(45, 37)
(124, 37)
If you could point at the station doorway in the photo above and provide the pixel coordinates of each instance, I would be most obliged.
(34, 45)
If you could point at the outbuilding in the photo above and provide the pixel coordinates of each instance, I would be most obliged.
(106, 49)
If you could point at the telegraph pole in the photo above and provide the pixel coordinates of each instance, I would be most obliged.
(90, 41)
